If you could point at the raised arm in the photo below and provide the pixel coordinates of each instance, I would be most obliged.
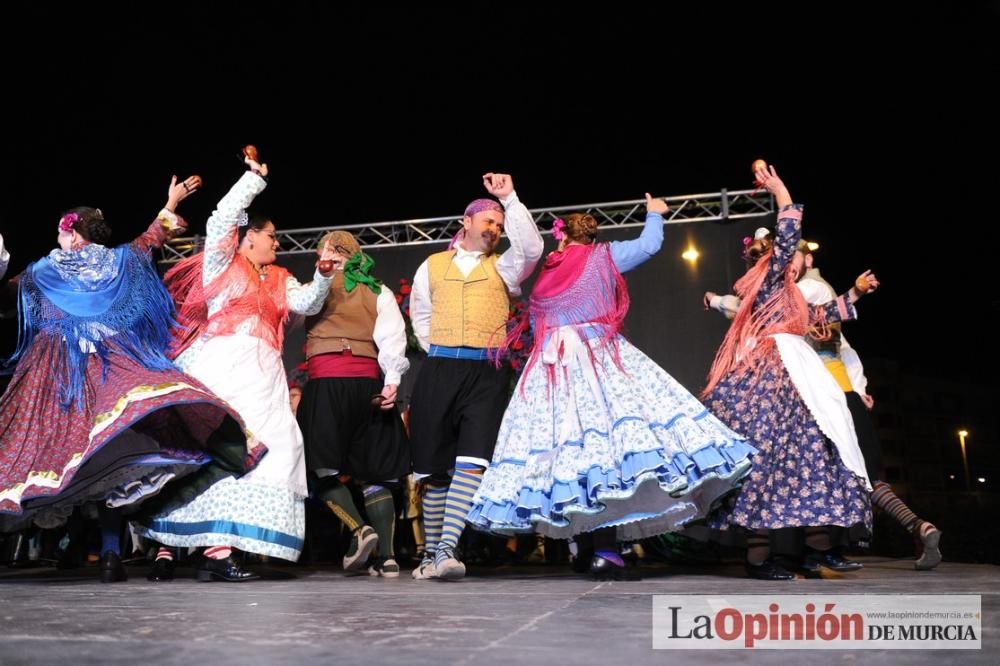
(631, 253)
(168, 223)
(526, 243)
(842, 308)
(220, 232)
(787, 233)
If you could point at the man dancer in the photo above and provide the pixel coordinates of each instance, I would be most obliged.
(459, 308)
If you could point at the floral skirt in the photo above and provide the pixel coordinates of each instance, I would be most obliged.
(586, 444)
(798, 479)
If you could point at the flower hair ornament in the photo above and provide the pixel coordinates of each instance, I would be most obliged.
(559, 229)
(760, 235)
(68, 221)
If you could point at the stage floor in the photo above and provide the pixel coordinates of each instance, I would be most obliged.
(509, 615)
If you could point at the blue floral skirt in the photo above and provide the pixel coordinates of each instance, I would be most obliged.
(798, 479)
(585, 445)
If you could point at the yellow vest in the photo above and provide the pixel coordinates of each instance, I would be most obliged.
(839, 372)
(466, 311)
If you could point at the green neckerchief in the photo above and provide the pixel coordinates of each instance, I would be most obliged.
(358, 270)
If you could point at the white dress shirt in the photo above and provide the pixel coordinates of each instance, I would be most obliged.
(514, 265)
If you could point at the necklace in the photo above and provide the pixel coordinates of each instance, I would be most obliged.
(261, 270)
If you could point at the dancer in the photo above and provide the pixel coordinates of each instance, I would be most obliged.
(356, 350)
(459, 306)
(597, 437)
(233, 303)
(844, 364)
(95, 410)
(768, 384)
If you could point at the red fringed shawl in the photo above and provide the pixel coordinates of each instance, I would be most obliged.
(748, 340)
(249, 298)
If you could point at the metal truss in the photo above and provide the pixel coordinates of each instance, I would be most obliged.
(722, 206)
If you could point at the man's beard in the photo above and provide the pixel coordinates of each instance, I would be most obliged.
(489, 242)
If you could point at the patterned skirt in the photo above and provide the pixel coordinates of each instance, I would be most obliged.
(262, 512)
(586, 444)
(135, 431)
(798, 479)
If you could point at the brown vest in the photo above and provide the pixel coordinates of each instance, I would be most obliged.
(346, 321)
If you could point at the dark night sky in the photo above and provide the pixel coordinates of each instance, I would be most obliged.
(882, 127)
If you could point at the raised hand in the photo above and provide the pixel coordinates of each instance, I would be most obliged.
(255, 166)
(866, 282)
(767, 177)
(656, 205)
(499, 185)
(178, 192)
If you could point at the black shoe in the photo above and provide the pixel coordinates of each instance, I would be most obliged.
(226, 569)
(163, 569)
(112, 569)
(603, 569)
(831, 559)
(768, 570)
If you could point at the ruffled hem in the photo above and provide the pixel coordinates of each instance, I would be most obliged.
(137, 404)
(645, 495)
(129, 484)
(248, 538)
(234, 512)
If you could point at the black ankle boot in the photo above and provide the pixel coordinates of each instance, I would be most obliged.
(112, 569)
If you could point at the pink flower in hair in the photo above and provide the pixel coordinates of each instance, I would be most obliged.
(67, 221)
(559, 229)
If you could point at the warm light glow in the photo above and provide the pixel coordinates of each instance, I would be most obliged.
(951, 476)
(690, 254)
(813, 246)
(981, 479)
(963, 433)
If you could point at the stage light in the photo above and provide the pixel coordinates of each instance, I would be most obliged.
(981, 479)
(962, 434)
(690, 254)
(813, 246)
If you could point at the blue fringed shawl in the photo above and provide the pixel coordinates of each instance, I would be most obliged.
(127, 312)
